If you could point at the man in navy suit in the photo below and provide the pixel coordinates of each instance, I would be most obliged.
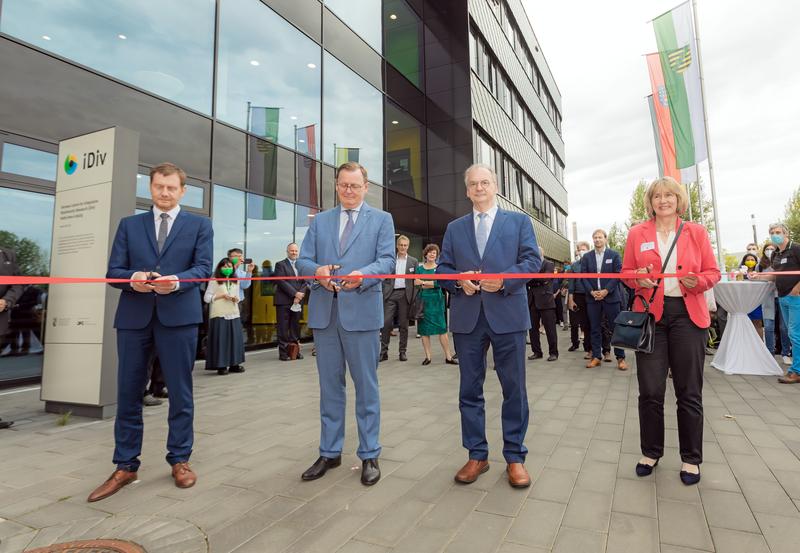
(288, 294)
(603, 298)
(351, 239)
(490, 311)
(158, 313)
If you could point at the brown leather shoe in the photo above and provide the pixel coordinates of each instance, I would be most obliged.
(790, 378)
(184, 476)
(593, 363)
(118, 480)
(518, 477)
(622, 365)
(470, 472)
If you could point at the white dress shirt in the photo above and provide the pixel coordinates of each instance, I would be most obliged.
(490, 216)
(173, 213)
(400, 269)
(671, 287)
(343, 217)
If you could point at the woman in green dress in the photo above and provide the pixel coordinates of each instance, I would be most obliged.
(433, 321)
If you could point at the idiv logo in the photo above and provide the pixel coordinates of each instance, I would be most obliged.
(70, 164)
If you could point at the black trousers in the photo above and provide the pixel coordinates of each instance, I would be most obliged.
(680, 346)
(548, 319)
(396, 304)
(559, 309)
(288, 328)
(581, 322)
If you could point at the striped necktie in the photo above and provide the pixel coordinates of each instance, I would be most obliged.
(348, 230)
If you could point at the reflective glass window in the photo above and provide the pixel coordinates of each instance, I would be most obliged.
(270, 228)
(268, 76)
(271, 170)
(302, 220)
(163, 46)
(227, 217)
(405, 153)
(192, 198)
(353, 119)
(363, 16)
(403, 40)
(28, 162)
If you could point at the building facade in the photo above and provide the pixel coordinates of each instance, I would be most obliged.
(259, 100)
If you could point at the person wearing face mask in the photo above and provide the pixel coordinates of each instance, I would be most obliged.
(786, 258)
(750, 262)
(225, 345)
(576, 304)
(770, 307)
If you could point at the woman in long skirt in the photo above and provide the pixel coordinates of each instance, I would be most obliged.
(225, 344)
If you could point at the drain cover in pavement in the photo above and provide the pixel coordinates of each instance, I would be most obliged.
(91, 546)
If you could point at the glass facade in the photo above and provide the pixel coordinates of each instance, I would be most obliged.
(405, 153)
(363, 16)
(28, 162)
(162, 46)
(403, 40)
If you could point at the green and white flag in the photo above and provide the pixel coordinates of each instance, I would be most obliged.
(678, 52)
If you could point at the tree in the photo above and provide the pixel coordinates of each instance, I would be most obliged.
(792, 214)
(617, 236)
(31, 259)
(637, 211)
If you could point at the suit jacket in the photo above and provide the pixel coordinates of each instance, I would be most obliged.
(511, 248)
(411, 291)
(286, 289)
(370, 249)
(187, 254)
(540, 290)
(612, 263)
(694, 255)
(10, 293)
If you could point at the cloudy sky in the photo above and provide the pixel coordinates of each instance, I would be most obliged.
(750, 60)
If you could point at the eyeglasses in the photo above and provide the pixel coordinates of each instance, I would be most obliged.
(353, 187)
(485, 183)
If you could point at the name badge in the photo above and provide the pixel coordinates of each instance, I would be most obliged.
(647, 246)
(784, 260)
(608, 262)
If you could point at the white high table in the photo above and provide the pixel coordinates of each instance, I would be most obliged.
(742, 351)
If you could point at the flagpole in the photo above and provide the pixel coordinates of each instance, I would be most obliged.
(699, 194)
(708, 145)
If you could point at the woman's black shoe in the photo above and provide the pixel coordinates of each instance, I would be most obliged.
(426, 362)
(451, 361)
(222, 371)
(643, 469)
(689, 478)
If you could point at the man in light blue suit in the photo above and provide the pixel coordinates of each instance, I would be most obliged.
(346, 315)
(490, 311)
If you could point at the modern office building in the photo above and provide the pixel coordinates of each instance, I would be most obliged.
(258, 100)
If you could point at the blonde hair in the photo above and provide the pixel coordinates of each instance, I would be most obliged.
(671, 185)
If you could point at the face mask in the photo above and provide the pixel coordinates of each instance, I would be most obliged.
(226, 271)
(567, 267)
(580, 253)
(777, 239)
(234, 260)
(750, 263)
(768, 252)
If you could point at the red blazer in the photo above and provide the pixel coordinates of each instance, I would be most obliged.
(694, 255)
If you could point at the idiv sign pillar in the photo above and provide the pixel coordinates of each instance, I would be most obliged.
(95, 188)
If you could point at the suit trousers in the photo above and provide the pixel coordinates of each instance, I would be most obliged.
(509, 360)
(679, 345)
(579, 321)
(600, 336)
(548, 319)
(559, 309)
(358, 350)
(288, 328)
(176, 348)
(395, 304)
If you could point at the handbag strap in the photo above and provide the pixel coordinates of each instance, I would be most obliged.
(666, 260)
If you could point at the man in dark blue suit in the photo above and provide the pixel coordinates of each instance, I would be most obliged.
(158, 313)
(490, 311)
(603, 298)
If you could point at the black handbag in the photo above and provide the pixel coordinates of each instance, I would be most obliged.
(418, 311)
(636, 329)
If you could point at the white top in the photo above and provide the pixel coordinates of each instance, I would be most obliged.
(671, 287)
(221, 307)
(343, 217)
(598, 259)
(170, 220)
(400, 269)
(490, 216)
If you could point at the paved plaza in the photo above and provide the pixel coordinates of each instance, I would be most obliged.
(257, 431)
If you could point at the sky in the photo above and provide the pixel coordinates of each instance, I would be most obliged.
(752, 83)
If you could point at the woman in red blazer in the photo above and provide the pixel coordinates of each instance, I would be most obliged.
(682, 318)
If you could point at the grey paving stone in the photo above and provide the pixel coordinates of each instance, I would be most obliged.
(596, 476)
(717, 476)
(733, 541)
(392, 524)
(727, 510)
(570, 540)
(452, 509)
(781, 532)
(683, 524)
(509, 547)
(603, 451)
(567, 458)
(632, 533)
(273, 539)
(423, 540)
(481, 532)
(554, 485)
(537, 523)
(331, 534)
(767, 497)
(502, 499)
(635, 497)
(588, 510)
(355, 546)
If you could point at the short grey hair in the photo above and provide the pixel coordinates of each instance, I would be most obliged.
(781, 226)
(480, 166)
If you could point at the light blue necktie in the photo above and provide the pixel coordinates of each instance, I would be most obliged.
(482, 233)
(348, 230)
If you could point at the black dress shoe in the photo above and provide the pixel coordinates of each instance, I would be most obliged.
(689, 479)
(299, 356)
(370, 472)
(533, 356)
(572, 348)
(236, 369)
(284, 359)
(426, 361)
(451, 361)
(643, 469)
(403, 357)
(6, 424)
(222, 371)
(320, 467)
(384, 357)
(552, 357)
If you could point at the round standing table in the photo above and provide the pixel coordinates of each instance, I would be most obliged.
(742, 351)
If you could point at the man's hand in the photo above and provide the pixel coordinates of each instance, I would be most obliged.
(165, 284)
(352, 284)
(250, 267)
(143, 287)
(3, 305)
(491, 285)
(571, 305)
(689, 281)
(469, 287)
(325, 271)
(299, 296)
(601, 294)
(645, 282)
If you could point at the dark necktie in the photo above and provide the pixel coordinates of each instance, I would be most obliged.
(482, 233)
(348, 230)
(163, 230)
